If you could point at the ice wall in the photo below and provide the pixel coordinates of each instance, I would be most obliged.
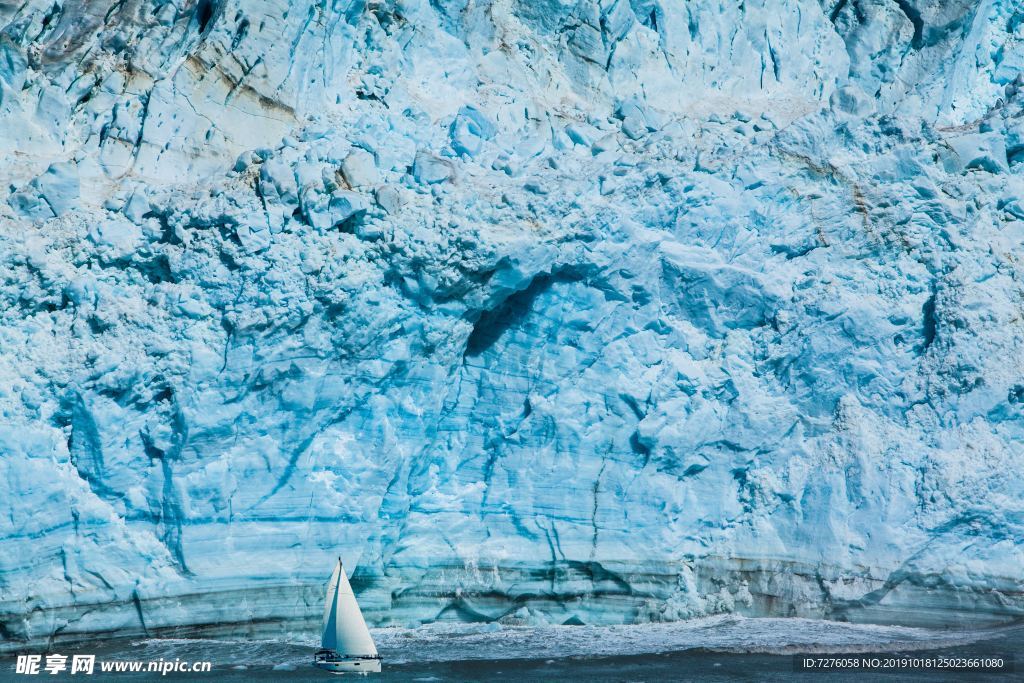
(534, 311)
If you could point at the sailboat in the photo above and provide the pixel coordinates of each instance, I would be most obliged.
(346, 645)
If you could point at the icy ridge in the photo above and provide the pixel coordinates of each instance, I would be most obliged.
(540, 312)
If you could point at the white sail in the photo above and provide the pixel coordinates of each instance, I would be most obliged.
(345, 630)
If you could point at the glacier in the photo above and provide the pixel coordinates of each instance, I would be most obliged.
(534, 311)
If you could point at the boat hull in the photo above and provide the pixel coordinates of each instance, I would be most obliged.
(354, 665)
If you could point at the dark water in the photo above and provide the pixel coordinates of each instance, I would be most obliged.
(717, 649)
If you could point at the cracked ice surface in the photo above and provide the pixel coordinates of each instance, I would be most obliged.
(540, 312)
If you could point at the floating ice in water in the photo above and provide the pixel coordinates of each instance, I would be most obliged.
(724, 633)
(467, 642)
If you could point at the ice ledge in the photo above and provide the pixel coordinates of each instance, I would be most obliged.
(564, 593)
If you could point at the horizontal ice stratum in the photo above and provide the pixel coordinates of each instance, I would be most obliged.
(535, 311)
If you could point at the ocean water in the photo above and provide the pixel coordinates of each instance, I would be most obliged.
(724, 648)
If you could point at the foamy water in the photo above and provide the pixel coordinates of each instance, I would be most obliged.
(459, 642)
(722, 648)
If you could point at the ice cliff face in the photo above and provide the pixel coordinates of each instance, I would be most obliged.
(552, 311)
